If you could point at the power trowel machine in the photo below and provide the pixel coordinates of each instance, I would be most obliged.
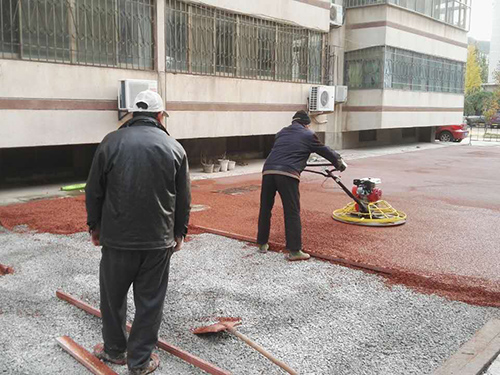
(367, 207)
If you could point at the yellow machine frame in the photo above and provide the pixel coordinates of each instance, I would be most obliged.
(379, 213)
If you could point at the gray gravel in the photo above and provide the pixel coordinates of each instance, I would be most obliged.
(317, 317)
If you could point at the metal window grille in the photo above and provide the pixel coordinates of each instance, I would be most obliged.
(364, 69)
(211, 41)
(393, 68)
(115, 33)
(453, 12)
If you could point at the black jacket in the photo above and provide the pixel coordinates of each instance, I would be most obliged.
(138, 191)
(292, 147)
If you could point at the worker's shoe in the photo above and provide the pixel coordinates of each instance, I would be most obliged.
(154, 362)
(263, 248)
(99, 352)
(297, 255)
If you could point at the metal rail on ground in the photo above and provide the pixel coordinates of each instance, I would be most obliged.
(90, 361)
(5, 270)
(162, 344)
(344, 262)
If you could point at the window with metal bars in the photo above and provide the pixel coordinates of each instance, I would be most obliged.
(394, 68)
(115, 33)
(206, 40)
(452, 12)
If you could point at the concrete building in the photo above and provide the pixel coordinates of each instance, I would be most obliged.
(232, 72)
(495, 42)
(404, 65)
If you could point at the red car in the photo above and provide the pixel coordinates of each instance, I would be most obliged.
(495, 121)
(452, 133)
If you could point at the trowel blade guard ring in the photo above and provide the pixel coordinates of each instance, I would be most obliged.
(380, 214)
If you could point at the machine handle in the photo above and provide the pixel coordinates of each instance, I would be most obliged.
(329, 173)
(321, 165)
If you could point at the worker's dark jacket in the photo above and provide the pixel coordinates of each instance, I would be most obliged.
(292, 147)
(138, 191)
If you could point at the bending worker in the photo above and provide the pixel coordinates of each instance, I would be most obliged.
(281, 173)
(138, 203)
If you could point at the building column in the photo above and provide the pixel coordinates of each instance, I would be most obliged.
(427, 134)
(160, 47)
(333, 132)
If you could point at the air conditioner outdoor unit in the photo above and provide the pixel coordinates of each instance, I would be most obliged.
(336, 14)
(340, 94)
(130, 88)
(322, 99)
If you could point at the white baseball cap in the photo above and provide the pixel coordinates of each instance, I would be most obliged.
(149, 101)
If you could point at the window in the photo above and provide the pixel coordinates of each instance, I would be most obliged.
(402, 70)
(257, 48)
(284, 55)
(266, 47)
(315, 57)
(202, 40)
(364, 68)
(176, 24)
(205, 40)
(453, 12)
(248, 47)
(9, 28)
(399, 69)
(225, 31)
(44, 31)
(135, 25)
(88, 32)
(91, 21)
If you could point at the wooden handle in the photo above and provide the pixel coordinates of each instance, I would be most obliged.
(262, 351)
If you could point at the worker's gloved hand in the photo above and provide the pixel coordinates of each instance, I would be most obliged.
(341, 165)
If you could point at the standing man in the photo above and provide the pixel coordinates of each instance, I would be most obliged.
(138, 203)
(281, 173)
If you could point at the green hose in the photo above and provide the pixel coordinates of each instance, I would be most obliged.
(73, 187)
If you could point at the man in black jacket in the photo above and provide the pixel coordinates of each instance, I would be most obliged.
(138, 203)
(281, 173)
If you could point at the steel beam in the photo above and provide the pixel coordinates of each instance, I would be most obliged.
(90, 361)
(5, 270)
(182, 354)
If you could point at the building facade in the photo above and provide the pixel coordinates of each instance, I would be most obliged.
(232, 72)
(404, 64)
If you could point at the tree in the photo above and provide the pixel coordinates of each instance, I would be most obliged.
(491, 109)
(482, 61)
(483, 65)
(476, 102)
(473, 72)
(492, 105)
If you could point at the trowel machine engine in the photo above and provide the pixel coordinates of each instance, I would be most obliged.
(365, 189)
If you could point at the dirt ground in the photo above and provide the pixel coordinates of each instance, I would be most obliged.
(450, 195)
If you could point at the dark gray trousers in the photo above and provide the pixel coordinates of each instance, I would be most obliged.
(147, 271)
(288, 189)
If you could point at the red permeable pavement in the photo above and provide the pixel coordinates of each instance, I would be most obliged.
(450, 244)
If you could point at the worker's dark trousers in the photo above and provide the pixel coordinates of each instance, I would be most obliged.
(148, 271)
(288, 189)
